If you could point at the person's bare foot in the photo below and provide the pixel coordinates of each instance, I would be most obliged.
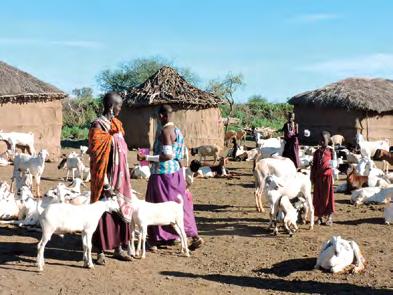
(101, 259)
(121, 255)
(196, 243)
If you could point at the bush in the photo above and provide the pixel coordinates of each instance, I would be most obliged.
(78, 113)
(74, 133)
(258, 112)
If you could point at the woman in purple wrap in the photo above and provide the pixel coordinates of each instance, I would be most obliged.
(291, 133)
(167, 180)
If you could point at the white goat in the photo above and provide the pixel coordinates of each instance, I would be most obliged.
(388, 214)
(337, 254)
(25, 178)
(267, 150)
(67, 218)
(9, 206)
(83, 150)
(371, 195)
(290, 215)
(165, 213)
(72, 163)
(19, 139)
(279, 166)
(206, 150)
(292, 186)
(337, 139)
(376, 177)
(35, 164)
(140, 172)
(368, 148)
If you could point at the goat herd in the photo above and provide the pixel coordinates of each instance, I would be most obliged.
(287, 191)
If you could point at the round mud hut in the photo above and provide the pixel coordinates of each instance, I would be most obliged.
(28, 104)
(196, 112)
(346, 107)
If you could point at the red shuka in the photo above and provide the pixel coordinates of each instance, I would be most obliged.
(322, 178)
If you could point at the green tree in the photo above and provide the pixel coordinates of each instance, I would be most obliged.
(257, 100)
(225, 89)
(130, 74)
(84, 92)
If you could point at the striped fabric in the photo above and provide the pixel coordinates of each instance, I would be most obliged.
(171, 166)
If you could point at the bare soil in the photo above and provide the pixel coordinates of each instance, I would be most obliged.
(240, 254)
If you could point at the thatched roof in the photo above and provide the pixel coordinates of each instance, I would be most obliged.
(168, 87)
(19, 86)
(352, 93)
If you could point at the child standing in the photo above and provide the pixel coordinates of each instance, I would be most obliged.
(322, 178)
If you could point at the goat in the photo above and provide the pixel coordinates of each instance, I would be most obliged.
(290, 215)
(337, 254)
(292, 186)
(337, 139)
(388, 214)
(67, 218)
(206, 150)
(165, 213)
(229, 135)
(35, 164)
(18, 139)
(241, 136)
(140, 172)
(372, 195)
(369, 148)
(72, 163)
(355, 181)
(383, 155)
(279, 166)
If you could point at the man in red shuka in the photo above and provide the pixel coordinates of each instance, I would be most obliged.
(322, 178)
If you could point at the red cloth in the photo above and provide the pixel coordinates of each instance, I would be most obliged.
(322, 178)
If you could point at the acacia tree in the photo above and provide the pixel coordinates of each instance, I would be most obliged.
(225, 89)
(133, 73)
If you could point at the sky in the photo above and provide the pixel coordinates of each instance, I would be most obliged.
(281, 47)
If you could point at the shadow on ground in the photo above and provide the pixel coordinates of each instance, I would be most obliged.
(281, 285)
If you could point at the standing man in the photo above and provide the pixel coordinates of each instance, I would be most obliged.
(322, 178)
(167, 179)
(109, 173)
(291, 133)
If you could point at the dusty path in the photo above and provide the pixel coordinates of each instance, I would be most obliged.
(240, 254)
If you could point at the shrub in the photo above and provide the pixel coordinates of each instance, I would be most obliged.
(258, 112)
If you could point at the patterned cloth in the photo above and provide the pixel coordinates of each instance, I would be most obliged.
(173, 165)
(108, 156)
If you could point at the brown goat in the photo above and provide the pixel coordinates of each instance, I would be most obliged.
(383, 155)
(355, 181)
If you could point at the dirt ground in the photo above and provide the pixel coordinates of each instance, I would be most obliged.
(240, 254)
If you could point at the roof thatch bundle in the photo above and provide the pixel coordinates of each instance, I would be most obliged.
(351, 94)
(19, 86)
(168, 87)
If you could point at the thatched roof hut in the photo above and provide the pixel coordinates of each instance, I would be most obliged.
(28, 104)
(196, 111)
(348, 106)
